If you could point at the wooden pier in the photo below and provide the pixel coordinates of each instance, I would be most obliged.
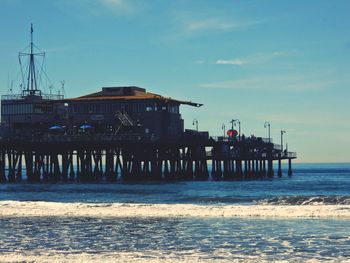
(119, 133)
(135, 158)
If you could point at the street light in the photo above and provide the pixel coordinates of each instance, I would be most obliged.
(282, 132)
(239, 126)
(224, 128)
(195, 122)
(267, 124)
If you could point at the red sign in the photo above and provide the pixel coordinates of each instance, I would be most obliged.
(232, 133)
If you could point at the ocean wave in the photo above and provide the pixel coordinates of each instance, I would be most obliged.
(149, 257)
(33, 209)
(306, 200)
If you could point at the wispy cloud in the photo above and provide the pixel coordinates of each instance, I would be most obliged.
(192, 24)
(99, 7)
(257, 58)
(236, 62)
(273, 83)
(209, 24)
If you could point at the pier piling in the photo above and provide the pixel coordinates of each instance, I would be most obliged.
(94, 161)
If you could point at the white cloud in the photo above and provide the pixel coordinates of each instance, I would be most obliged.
(236, 62)
(273, 83)
(255, 59)
(280, 53)
(210, 24)
(193, 24)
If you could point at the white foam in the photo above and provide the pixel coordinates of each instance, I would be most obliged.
(38, 208)
(150, 257)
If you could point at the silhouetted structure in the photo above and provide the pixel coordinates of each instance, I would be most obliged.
(118, 132)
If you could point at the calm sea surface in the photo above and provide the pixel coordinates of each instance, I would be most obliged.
(46, 236)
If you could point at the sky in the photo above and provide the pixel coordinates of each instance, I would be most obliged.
(285, 62)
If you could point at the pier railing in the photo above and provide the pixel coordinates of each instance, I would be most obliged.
(238, 139)
(94, 137)
(21, 97)
(263, 155)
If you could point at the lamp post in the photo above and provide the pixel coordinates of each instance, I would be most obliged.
(195, 122)
(234, 122)
(224, 128)
(239, 127)
(267, 124)
(282, 132)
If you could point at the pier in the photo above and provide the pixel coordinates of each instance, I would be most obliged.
(113, 158)
(119, 133)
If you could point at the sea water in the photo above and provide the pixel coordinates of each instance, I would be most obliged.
(301, 218)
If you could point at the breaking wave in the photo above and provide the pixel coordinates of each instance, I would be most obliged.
(306, 200)
(308, 209)
(150, 257)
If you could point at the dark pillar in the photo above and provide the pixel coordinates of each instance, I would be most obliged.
(279, 167)
(71, 164)
(252, 168)
(290, 172)
(19, 170)
(270, 168)
(11, 166)
(264, 168)
(245, 168)
(2, 166)
(239, 168)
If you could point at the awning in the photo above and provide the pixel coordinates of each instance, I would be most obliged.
(85, 126)
(55, 127)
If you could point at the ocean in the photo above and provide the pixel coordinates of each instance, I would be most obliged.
(303, 218)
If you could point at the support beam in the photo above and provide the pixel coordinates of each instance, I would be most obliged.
(279, 173)
(290, 172)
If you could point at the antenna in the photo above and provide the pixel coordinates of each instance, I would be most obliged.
(31, 75)
(62, 86)
(8, 81)
(32, 85)
(11, 87)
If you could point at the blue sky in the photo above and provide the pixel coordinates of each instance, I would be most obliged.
(286, 62)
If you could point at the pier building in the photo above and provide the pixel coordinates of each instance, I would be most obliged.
(116, 110)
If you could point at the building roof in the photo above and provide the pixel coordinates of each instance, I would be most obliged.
(128, 93)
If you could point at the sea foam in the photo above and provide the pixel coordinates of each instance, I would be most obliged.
(146, 256)
(39, 208)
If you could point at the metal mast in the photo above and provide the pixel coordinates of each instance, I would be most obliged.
(32, 85)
